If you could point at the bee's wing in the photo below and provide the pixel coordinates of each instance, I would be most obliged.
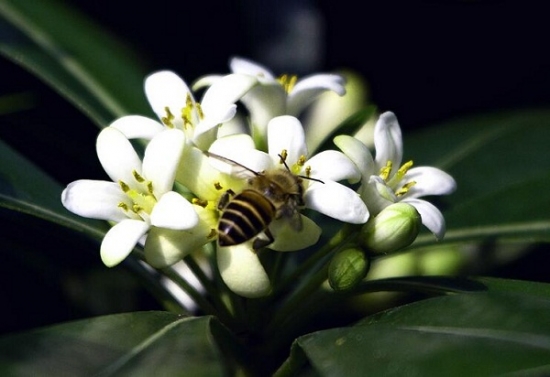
(225, 164)
(290, 213)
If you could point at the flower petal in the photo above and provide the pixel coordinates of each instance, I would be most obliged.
(173, 211)
(120, 240)
(309, 88)
(333, 165)
(242, 271)
(205, 81)
(388, 141)
(286, 133)
(165, 247)
(429, 181)
(288, 239)
(432, 218)
(358, 153)
(162, 158)
(95, 199)
(166, 89)
(240, 149)
(137, 127)
(337, 201)
(224, 93)
(117, 155)
(248, 67)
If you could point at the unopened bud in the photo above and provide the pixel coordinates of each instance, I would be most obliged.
(347, 268)
(394, 228)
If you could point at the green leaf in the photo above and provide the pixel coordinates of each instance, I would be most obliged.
(85, 64)
(130, 344)
(500, 162)
(495, 332)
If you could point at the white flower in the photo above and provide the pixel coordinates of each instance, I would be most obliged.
(287, 149)
(385, 181)
(275, 96)
(139, 199)
(173, 102)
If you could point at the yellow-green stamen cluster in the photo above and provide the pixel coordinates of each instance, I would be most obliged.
(143, 199)
(287, 82)
(393, 181)
(191, 114)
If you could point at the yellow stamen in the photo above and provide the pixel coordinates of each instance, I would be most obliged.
(287, 82)
(308, 171)
(406, 187)
(124, 206)
(138, 176)
(124, 187)
(301, 160)
(386, 171)
(199, 110)
(167, 120)
(200, 202)
(398, 176)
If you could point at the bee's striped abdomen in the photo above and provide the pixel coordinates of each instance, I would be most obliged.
(246, 215)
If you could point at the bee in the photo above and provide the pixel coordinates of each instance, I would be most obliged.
(271, 195)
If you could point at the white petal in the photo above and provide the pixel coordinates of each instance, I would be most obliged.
(166, 89)
(164, 247)
(337, 201)
(358, 153)
(286, 133)
(173, 211)
(117, 155)
(137, 127)
(248, 67)
(309, 88)
(288, 239)
(236, 152)
(429, 181)
(388, 141)
(94, 199)
(161, 159)
(225, 92)
(333, 165)
(242, 271)
(205, 81)
(264, 102)
(432, 218)
(120, 240)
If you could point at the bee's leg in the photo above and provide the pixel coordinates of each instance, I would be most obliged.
(224, 199)
(262, 242)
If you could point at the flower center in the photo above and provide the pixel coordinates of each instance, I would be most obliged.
(191, 115)
(394, 180)
(287, 82)
(141, 197)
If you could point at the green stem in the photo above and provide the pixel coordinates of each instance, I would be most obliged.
(211, 290)
(304, 268)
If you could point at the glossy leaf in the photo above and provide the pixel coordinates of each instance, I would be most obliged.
(130, 344)
(494, 332)
(88, 66)
(500, 162)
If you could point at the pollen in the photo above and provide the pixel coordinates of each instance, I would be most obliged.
(287, 82)
(213, 234)
(406, 187)
(200, 202)
(167, 120)
(385, 171)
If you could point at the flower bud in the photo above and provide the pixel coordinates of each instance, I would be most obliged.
(394, 228)
(347, 268)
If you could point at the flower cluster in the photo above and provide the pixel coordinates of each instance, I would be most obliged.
(211, 172)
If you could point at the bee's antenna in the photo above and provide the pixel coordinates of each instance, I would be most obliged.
(228, 160)
(283, 160)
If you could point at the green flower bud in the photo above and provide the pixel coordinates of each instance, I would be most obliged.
(347, 268)
(394, 228)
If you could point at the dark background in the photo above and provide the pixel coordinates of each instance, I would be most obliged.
(426, 61)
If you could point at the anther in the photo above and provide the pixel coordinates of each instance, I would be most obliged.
(283, 155)
(122, 205)
(167, 120)
(386, 171)
(301, 160)
(124, 187)
(218, 186)
(199, 202)
(406, 187)
(138, 176)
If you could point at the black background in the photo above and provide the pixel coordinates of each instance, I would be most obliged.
(426, 61)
